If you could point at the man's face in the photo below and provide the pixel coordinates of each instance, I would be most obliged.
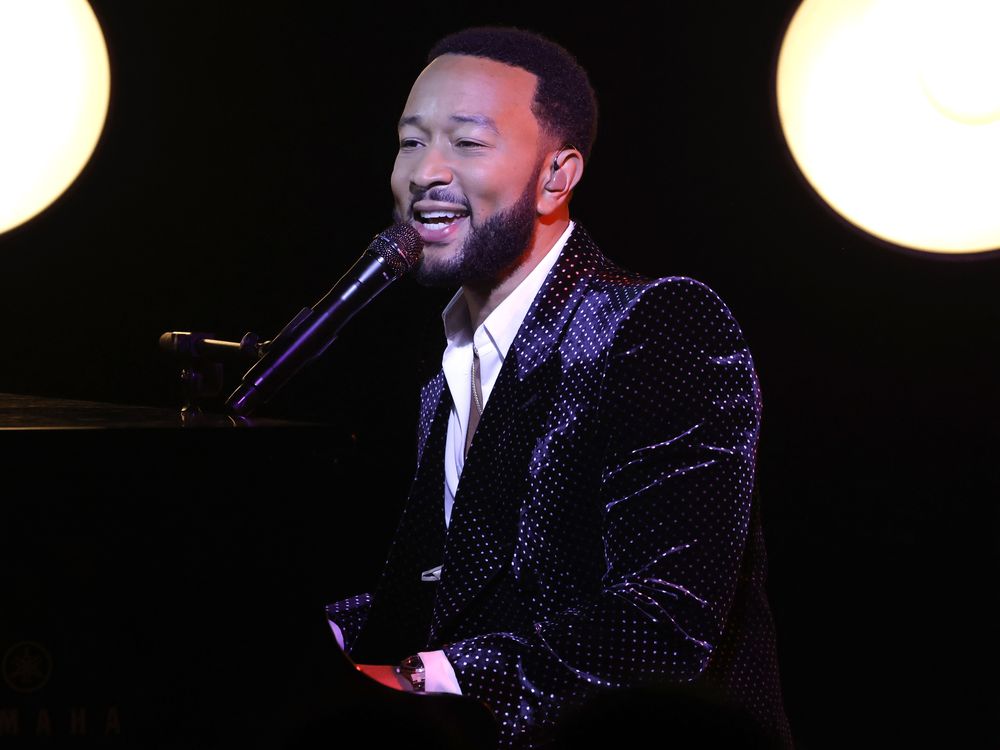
(466, 174)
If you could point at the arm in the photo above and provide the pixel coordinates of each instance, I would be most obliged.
(352, 613)
(680, 413)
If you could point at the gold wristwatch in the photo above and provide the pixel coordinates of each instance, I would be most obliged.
(412, 668)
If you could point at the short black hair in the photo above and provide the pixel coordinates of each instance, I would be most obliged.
(565, 103)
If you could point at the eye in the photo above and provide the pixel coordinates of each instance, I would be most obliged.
(408, 144)
(466, 144)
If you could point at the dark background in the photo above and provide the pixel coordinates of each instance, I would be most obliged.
(244, 167)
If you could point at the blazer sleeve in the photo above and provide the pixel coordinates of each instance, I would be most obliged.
(350, 615)
(680, 416)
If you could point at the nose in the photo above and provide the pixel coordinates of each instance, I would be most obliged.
(432, 168)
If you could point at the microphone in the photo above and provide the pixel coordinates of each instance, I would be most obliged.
(391, 254)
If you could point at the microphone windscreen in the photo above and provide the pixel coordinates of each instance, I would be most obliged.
(400, 246)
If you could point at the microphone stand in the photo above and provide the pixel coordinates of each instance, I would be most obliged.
(202, 358)
(392, 252)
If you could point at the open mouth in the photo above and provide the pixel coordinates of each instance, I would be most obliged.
(437, 220)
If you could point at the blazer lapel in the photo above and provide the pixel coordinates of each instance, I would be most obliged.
(480, 539)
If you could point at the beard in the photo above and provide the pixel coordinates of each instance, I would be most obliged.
(489, 252)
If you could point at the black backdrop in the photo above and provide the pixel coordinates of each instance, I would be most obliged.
(244, 167)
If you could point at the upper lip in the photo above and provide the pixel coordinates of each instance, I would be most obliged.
(425, 206)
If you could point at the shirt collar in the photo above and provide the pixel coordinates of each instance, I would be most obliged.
(504, 321)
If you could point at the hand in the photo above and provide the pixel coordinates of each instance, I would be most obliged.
(386, 675)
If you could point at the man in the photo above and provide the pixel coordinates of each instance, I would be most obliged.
(581, 520)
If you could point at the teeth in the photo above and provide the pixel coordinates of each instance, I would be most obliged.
(439, 219)
(439, 214)
(436, 220)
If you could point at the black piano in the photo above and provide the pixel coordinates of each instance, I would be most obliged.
(164, 575)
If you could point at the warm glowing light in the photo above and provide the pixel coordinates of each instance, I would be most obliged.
(891, 109)
(55, 84)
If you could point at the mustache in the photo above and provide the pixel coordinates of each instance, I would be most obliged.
(441, 195)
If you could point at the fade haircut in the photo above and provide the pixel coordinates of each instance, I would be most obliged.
(564, 104)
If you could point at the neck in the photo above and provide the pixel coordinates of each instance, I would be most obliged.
(484, 299)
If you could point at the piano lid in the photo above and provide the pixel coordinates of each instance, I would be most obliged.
(24, 412)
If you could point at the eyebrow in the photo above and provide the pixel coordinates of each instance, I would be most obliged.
(481, 120)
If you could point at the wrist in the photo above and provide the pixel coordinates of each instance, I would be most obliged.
(412, 670)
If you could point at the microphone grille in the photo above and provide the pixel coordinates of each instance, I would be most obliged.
(400, 246)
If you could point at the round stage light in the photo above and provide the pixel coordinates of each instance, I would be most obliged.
(55, 85)
(891, 110)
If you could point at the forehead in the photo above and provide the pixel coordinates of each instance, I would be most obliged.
(471, 86)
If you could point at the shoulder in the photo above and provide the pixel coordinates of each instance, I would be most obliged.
(619, 292)
(674, 305)
(685, 302)
(621, 307)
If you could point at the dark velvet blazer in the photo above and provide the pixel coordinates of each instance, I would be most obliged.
(605, 533)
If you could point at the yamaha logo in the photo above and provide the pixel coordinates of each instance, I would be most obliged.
(26, 667)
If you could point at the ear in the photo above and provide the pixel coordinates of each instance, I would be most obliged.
(565, 168)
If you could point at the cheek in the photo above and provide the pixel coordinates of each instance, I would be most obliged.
(489, 196)
(491, 189)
